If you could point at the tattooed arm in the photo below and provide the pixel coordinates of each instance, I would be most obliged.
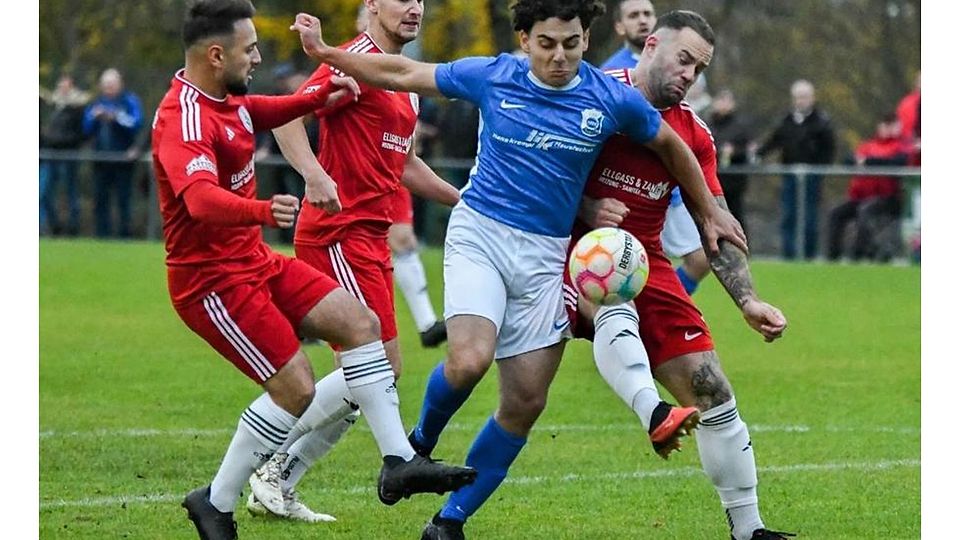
(733, 271)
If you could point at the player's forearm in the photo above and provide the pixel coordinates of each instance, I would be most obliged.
(210, 204)
(295, 147)
(390, 71)
(732, 269)
(420, 179)
(269, 112)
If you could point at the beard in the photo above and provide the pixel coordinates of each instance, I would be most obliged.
(237, 87)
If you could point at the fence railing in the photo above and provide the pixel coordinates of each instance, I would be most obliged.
(770, 172)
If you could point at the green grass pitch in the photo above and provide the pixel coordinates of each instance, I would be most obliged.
(135, 411)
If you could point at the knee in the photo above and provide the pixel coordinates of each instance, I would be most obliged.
(363, 328)
(519, 411)
(464, 368)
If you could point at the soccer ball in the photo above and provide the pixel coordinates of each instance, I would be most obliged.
(609, 266)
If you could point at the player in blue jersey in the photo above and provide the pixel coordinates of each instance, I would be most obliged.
(544, 119)
(633, 21)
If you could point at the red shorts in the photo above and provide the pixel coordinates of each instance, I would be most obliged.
(670, 323)
(254, 324)
(402, 206)
(361, 264)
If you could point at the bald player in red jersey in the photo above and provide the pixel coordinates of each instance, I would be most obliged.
(248, 302)
(629, 187)
(365, 152)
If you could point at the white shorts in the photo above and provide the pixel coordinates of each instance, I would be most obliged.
(511, 277)
(680, 236)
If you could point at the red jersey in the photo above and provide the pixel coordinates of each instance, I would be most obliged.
(363, 147)
(634, 174)
(863, 187)
(199, 138)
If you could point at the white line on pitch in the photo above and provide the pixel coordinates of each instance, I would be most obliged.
(547, 428)
(522, 480)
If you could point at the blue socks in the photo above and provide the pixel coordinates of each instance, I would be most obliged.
(689, 284)
(492, 453)
(440, 402)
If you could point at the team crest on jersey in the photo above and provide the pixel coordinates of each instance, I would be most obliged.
(656, 191)
(201, 163)
(591, 122)
(230, 133)
(245, 118)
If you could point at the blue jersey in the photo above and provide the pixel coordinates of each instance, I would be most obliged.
(537, 143)
(622, 59)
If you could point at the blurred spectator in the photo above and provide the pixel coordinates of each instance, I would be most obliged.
(459, 124)
(805, 135)
(731, 134)
(633, 22)
(908, 112)
(62, 130)
(113, 120)
(873, 202)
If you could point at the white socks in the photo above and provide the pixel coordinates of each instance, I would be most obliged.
(726, 454)
(263, 427)
(331, 401)
(622, 360)
(412, 280)
(312, 447)
(370, 379)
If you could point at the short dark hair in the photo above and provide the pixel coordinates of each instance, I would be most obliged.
(680, 19)
(526, 13)
(619, 15)
(206, 18)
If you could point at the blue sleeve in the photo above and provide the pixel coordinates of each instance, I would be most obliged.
(466, 78)
(132, 117)
(89, 120)
(638, 119)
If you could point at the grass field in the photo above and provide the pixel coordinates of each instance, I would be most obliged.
(135, 411)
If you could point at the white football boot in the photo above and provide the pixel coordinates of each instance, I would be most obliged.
(265, 485)
(296, 510)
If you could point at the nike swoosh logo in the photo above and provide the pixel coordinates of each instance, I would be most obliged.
(560, 325)
(504, 104)
(689, 337)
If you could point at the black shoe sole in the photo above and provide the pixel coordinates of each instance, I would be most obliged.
(451, 482)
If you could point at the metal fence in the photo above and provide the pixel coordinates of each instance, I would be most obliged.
(762, 201)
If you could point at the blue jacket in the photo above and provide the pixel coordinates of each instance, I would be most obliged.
(119, 133)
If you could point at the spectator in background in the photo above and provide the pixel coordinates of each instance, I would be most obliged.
(63, 130)
(908, 113)
(805, 135)
(731, 134)
(460, 123)
(113, 120)
(872, 201)
(633, 22)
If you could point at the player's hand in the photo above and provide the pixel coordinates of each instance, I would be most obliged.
(765, 319)
(721, 224)
(311, 36)
(346, 86)
(606, 212)
(321, 192)
(284, 208)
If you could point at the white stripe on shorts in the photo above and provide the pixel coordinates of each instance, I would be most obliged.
(221, 319)
(344, 273)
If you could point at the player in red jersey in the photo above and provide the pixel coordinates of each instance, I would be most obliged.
(246, 301)
(365, 153)
(629, 187)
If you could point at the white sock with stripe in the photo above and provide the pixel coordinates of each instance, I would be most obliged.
(622, 359)
(726, 454)
(331, 401)
(263, 427)
(313, 446)
(371, 382)
(412, 280)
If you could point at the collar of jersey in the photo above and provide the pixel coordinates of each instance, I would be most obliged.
(569, 86)
(180, 78)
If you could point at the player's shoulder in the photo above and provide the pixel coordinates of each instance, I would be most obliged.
(684, 114)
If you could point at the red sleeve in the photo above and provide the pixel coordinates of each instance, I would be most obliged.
(706, 152)
(214, 205)
(320, 77)
(268, 112)
(187, 156)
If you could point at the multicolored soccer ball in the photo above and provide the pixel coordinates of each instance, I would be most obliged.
(609, 266)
